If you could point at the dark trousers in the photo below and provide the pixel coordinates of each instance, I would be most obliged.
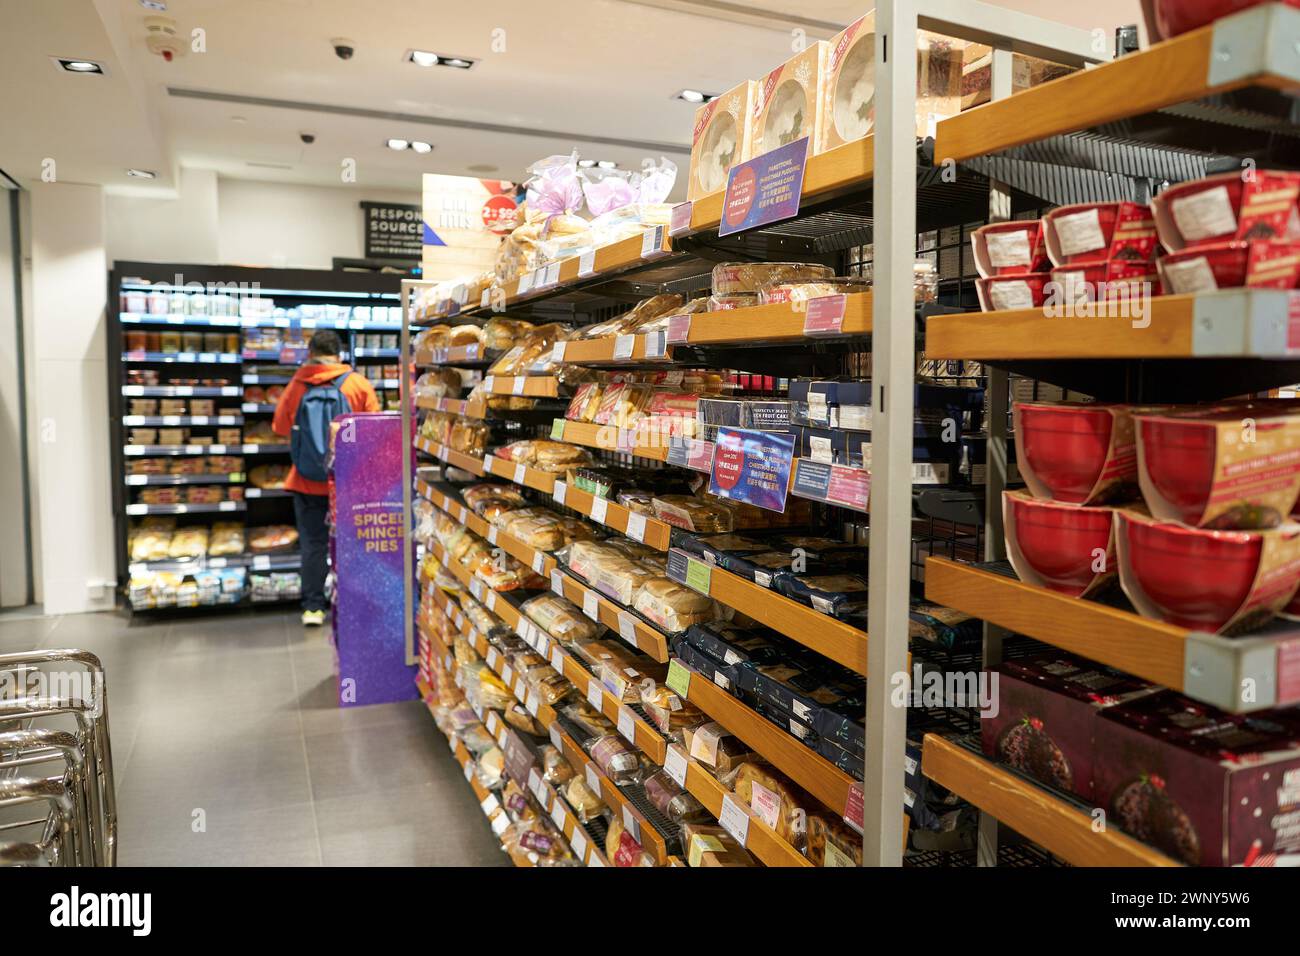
(311, 512)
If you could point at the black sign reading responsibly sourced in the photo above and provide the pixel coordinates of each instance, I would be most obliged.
(393, 230)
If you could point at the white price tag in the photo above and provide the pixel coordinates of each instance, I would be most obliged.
(226, 506)
(500, 823)
(469, 770)
(557, 581)
(651, 240)
(587, 263)
(518, 387)
(556, 741)
(635, 526)
(521, 472)
(539, 561)
(535, 782)
(557, 659)
(593, 777)
(675, 765)
(557, 815)
(492, 538)
(487, 464)
(559, 491)
(627, 723)
(507, 675)
(525, 283)
(261, 563)
(599, 508)
(734, 819)
(591, 605)
(491, 600)
(492, 658)
(624, 345)
(552, 276)
(627, 627)
(557, 352)
(476, 585)
(532, 704)
(631, 823)
(485, 299)
(489, 383)
(595, 694)
(578, 843)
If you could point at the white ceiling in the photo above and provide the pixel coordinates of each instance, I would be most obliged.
(570, 70)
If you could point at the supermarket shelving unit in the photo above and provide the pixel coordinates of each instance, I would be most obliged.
(286, 288)
(1109, 132)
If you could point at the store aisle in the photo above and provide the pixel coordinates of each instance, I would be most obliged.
(229, 749)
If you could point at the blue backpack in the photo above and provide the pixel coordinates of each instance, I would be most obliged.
(310, 441)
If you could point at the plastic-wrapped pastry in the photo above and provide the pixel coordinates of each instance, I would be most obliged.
(668, 712)
(622, 849)
(621, 405)
(707, 515)
(659, 323)
(439, 383)
(715, 746)
(464, 335)
(620, 578)
(536, 841)
(773, 800)
(673, 606)
(585, 403)
(501, 333)
(623, 673)
(733, 277)
(227, 538)
(798, 293)
(637, 501)
(469, 437)
(549, 684)
(588, 720)
(831, 842)
(560, 618)
(190, 542)
(672, 801)
(556, 770)
(615, 759)
(735, 300)
(434, 337)
(586, 803)
(585, 558)
(709, 845)
(490, 767)
(476, 493)
(517, 717)
(840, 595)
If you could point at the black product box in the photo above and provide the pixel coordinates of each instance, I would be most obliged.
(720, 411)
(723, 675)
(795, 728)
(804, 693)
(944, 627)
(831, 392)
(849, 762)
(767, 415)
(839, 595)
(843, 727)
(767, 567)
(731, 644)
(713, 548)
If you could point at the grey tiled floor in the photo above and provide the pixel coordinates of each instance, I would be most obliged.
(234, 716)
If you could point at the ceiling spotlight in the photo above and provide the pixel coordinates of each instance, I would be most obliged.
(142, 173)
(695, 97)
(607, 164)
(586, 163)
(426, 58)
(397, 144)
(78, 65)
(420, 147)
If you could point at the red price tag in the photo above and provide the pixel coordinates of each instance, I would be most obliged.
(824, 315)
(679, 329)
(853, 807)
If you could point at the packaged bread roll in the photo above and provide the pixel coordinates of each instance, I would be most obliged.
(672, 606)
(831, 842)
(709, 845)
(556, 770)
(668, 711)
(586, 803)
(622, 849)
(672, 801)
(559, 618)
(779, 804)
(730, 278)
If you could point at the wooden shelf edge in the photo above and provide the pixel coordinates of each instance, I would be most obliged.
(1030, 810)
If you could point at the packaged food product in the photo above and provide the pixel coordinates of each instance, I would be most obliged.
(672, 606)
(672, 801)
(668, 711)
(272, 538)
(589, 721)
(476, 494)
(798, 293)
(1077, 452)
(718, 302)
(620, 578)
(694, 514)
(839, 595)
(227, 538)
(517, 717)
(615, 760)
(773, 800)
(831, 842)
(560, 618)
(1257, 263)
(731, 278)
(585, 802)
(500, 333)
(1066, 548)
(709, 846)
(1021, 290)
(977, 74)
(556, 770)
(585, 402)
(636, 501)
(714, 746)
(622, 849)
(437, 383)
(720, 140)
(1098, 232)
(1229, 206)
(788, 102)
(1014, 247)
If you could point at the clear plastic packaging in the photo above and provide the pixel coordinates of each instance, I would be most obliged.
(585, 802)
(556, 770)
(667, 711)
(798, 293)
(730, 278)
(560, 618)
(615, 759)
(674, 607)
(672, 801)
(622, 849)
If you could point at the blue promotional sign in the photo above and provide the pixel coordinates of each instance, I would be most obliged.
(765, 189)
(753, 467)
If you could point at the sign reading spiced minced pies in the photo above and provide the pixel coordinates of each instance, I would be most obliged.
(394, 230)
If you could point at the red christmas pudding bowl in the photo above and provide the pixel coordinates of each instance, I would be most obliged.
(1260, 264)
(1076, 452)
(1064, 548)
(1206, 580)
(1174, 17)
(1236, 467)
(1097, 231)
(1019, 290)
(1112, 281)
(1009, 248)
(1229, 207)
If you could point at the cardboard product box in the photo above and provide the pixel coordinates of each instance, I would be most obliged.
(1205, 787)
(171, 406)
(848, 110)
(977, 74)
(1047, 705)
(788, 102)
(144, 436)
(720, 140)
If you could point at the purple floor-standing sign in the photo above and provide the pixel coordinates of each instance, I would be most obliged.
(370, 593)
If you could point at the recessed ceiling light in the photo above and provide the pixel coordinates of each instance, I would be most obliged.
(421, 147)
(141, 173)
(73, 64)
(607, 164)
(694, 97)
(586, 163)
(398, 144)
(426, 58)
(154, 4)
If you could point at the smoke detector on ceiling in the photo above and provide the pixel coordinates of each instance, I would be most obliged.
(161, 39)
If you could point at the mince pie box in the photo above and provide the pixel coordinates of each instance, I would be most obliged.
(1100, 231)
(1204, 787)
(977, 74)
(1042, 724)
(720, 140)
(1227, 207)
(848, 111)
(1226, 468)
(788, 101)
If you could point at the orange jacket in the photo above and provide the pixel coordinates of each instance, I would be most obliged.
(359, 393)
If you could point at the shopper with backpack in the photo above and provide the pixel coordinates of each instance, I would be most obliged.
(322, 389)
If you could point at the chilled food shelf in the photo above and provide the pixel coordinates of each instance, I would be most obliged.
(1203, 666)
(267, 493)
(182, 391)
(1234, 53)
(1062, 826)
(186, 509)
(266, 449)
(822, 633)
(174, 420)
(256, 322)
(222, 479)
(288, 561)
(192, 358)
